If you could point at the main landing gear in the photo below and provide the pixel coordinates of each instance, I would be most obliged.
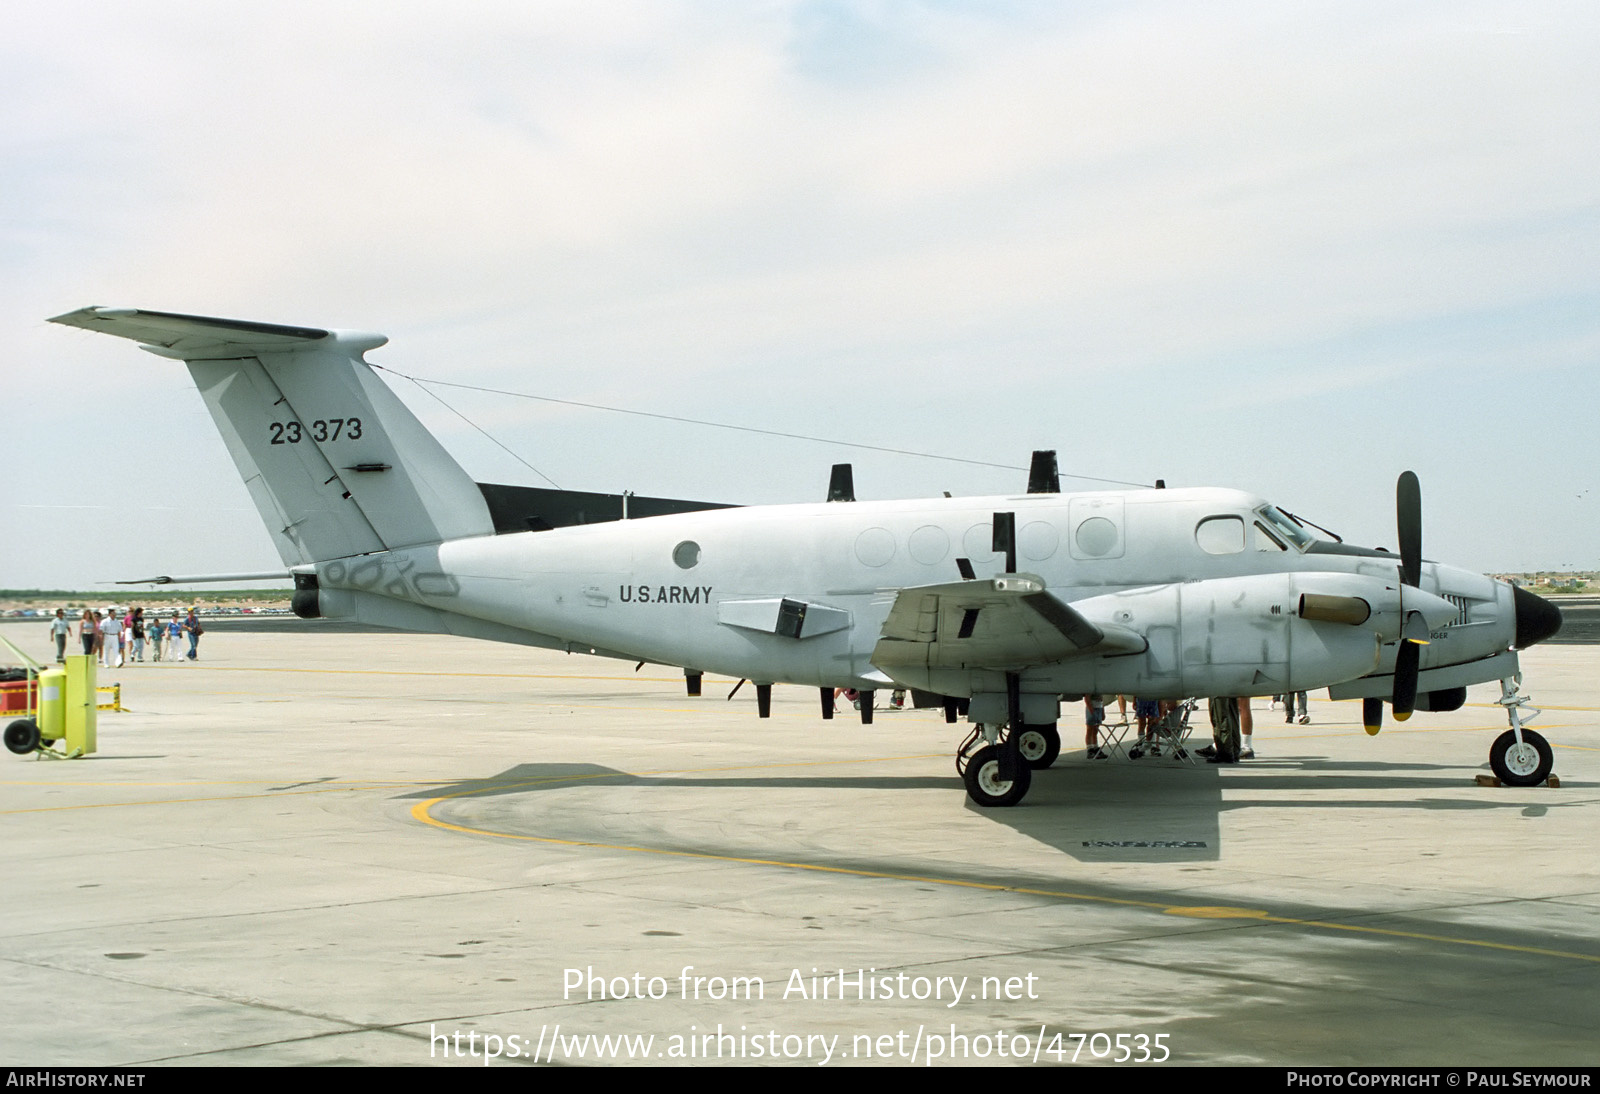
(981, 763)
(1039, 745)
(1519, 756)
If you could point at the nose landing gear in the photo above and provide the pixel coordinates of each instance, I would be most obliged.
(1519, 756)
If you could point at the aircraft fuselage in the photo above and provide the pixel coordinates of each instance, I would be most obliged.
(1206, 576)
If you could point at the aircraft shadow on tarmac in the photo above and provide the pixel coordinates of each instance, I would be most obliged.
(1053, 819)
(528, 778)
(1115, 811)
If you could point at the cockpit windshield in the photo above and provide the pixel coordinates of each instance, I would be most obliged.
(1285, 527)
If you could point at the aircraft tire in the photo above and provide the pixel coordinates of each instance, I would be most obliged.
(1527, 764)
(984, 785)
(22, 737)
(1039, 745)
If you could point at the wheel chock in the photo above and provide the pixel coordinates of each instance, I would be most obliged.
(1553, 782)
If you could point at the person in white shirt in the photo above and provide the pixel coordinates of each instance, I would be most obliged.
(111, 630)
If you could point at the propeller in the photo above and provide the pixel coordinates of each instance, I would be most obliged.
(1413, 628)
(1408, 521)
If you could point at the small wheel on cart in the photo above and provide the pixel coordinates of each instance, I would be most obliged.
(1039, 745)
(985, 786)
(1525, 764)
(22, 737)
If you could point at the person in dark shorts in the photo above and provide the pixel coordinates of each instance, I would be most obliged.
(1148, 713)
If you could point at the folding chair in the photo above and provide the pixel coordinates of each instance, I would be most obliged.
(1173, 729)
(1113, 737)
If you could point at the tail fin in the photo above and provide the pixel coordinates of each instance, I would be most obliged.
(335, 462)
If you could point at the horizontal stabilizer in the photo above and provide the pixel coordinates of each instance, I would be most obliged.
(191, 337)
(208, 579)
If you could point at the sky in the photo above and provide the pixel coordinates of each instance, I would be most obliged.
(1290, 248)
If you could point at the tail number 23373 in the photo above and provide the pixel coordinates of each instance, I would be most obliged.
(328, 429)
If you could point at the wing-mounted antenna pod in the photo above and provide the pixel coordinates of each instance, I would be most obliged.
(1043, 475)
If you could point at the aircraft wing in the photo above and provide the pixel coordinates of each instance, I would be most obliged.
(1005, 623)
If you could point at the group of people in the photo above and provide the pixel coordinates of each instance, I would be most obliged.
(115, 638)
(1232, 725)
(1146, 712)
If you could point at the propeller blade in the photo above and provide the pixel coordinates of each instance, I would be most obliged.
(1408, 519)
(1405, 680)
(1372, 714)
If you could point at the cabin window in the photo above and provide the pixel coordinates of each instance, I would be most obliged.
(1096, 537)
(686, 554)
(1220, 535)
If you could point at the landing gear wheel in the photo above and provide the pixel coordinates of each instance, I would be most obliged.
(1527, 764)
(22, 737)
(1039, 745)
(984, 785)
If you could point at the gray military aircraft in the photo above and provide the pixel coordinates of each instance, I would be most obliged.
(1000, 605)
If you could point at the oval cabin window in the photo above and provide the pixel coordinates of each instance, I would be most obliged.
(1220, 535)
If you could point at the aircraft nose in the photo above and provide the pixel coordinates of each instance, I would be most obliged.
(1537, 618)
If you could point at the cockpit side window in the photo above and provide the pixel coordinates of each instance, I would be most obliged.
(1266, 541)
(1285, 529)
(1220, 535)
